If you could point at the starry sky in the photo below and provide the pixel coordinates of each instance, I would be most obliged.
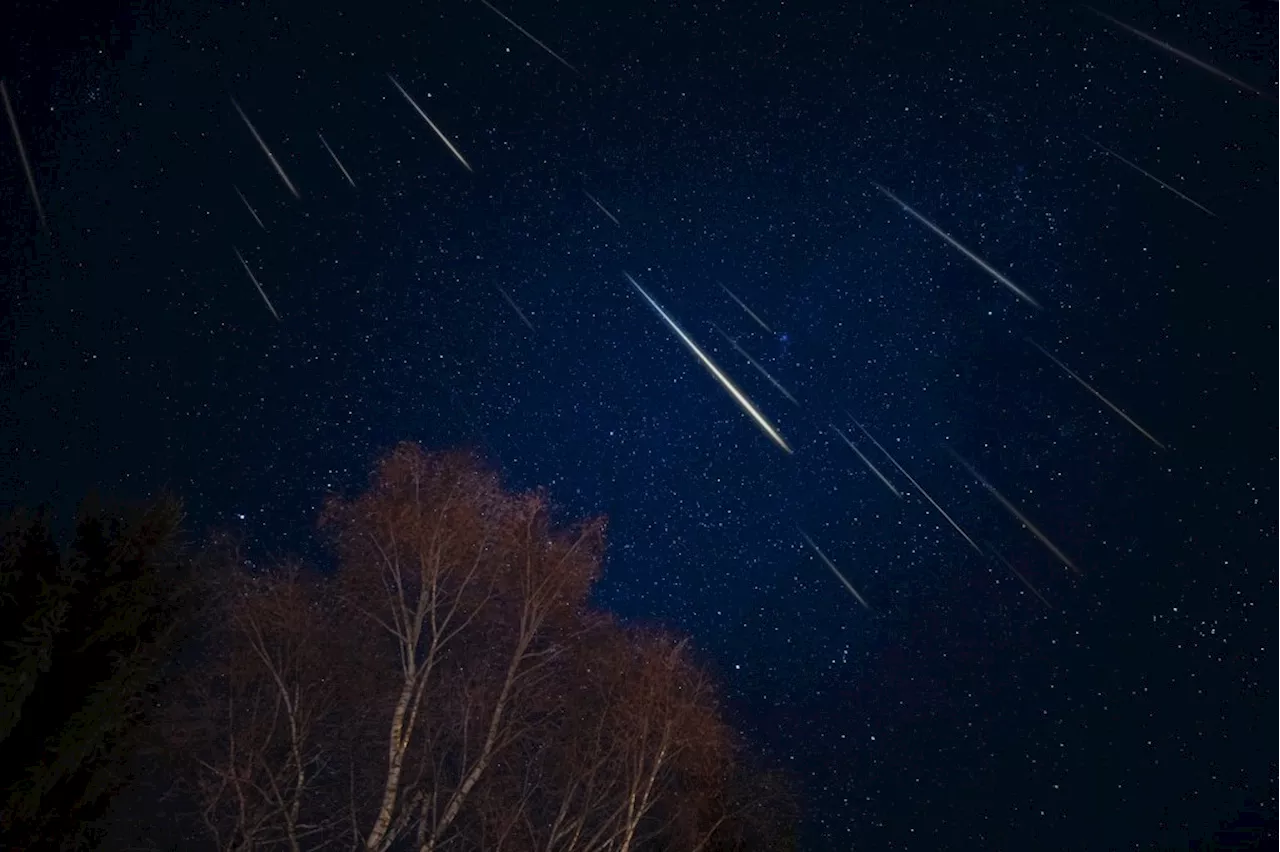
(974, 703)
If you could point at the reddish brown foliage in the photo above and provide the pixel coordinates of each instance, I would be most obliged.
(451, 686)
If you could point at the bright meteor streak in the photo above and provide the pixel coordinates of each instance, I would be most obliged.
(918, 487)
(1181, 54)
(557, 57)
(1013, 510)
(1140, 170)
(1017, 291)
(867, 461)
(743, 305)
(22, 155)
(346, 174)
(432, 125)
(739, 396)
(835, 570)
(755, 364)
(263, 145)
(1108, 403)
(603, 209)
(254, 279)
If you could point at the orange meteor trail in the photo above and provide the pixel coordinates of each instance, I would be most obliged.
(725, 381)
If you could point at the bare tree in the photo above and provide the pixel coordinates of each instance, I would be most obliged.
(253, 731)
(451, 688)
(443, 562)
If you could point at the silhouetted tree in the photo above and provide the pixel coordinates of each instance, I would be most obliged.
(87, 634)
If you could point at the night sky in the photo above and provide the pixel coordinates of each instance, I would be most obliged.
(739, 145)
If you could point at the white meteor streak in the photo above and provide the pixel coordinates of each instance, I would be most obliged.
(431, 124)
(918, 486)
(515, 308)
(1181, 54)
(1108, 403)
(1013, 510)
(249, 207)
(254, 279)
(834, 570)
(867, 462)
(263, 145)
(336, 161)
(1018, 574)
(1140, 170)
(603, 209)
(1017, 291)
(743, 305)
(530, 36)
(22, 155)
(739, 396)
(753, 363)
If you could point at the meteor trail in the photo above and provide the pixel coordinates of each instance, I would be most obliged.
(762, 370)
(1017, 291)
(834, 570)
(336, 161)
(530, 36)
(867, 462)
(22, 155)
(1018, 574)
(263, 145)
(739, 396)
(431, 124)
(1140, 170)
(249, 207)
(743, 305)
(524, 319)
(603, 209)
(1013, 510)
(1181, 54)
(918, 487)
(1108, 403)
(252, 278)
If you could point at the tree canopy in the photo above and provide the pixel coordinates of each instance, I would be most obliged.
(445, 684)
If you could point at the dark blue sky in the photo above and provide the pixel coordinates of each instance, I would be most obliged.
(737, 144)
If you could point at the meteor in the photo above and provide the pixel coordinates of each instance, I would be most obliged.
(530, 36)
(252, 278)
(918, 486)
(1017, 291)
(524, 319)
(22, 155)
(263, 145)
(739, 396)
(431, 124)
(1108, 403)
(867, 462)
(336, 161)
(834, 570)
(762, 370)
(1152, 177)
(249, 207)
(743, 305)
(1018, 574)
(1013, 510)
(603, 209)
(1181, 54)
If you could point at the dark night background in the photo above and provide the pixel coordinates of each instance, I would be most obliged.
(736, 143)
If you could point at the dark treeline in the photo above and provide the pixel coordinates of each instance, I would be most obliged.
(447, 686)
